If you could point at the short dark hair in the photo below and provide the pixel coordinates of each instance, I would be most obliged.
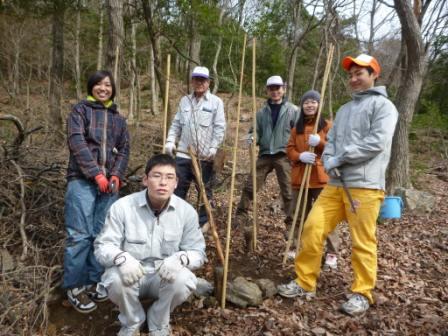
(97, 77)
(160, 160)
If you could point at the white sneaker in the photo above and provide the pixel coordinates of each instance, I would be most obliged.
(356, 305)
(79, 299)
(331, 261)
(292, 289)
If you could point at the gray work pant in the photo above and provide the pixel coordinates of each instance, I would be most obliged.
(168, 296)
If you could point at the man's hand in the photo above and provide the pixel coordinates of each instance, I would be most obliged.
(170, 148)
(211, 153)
(114, 184)
(102, 182)
(330, 164)
(314, 140)
(307, 157)
(129, 268)
(171, 266)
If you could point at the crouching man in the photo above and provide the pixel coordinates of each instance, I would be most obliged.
(150, 243)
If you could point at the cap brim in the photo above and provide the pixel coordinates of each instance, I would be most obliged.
(348, 61)
(200, 76)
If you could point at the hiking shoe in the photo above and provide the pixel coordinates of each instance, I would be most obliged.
(331, 261)
(292, 289)
(125, 331)
(356, 305)
(96, 296)
(79, 299)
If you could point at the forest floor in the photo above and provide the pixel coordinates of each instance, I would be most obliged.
(412, 287)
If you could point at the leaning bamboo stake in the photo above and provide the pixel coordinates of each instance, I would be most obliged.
(117, 53)
(254, 148)
(308, 167)
(167, 89)
(232, 183)
(208, 209)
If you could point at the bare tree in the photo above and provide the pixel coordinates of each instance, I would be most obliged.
(57, 64)
(415, 66)
(99, 62)
(114, 52)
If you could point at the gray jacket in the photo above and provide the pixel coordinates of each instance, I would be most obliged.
(274, 140)
(199, 124)
(132, 227)
(361, 139)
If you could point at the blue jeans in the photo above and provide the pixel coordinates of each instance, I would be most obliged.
(186, 175)
(85, 212)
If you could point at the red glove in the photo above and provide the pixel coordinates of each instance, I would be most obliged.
(114, 183)
(103, 183)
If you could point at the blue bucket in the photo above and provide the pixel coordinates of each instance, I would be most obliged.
(391, 207)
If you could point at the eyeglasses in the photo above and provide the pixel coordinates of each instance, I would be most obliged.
(159, 177)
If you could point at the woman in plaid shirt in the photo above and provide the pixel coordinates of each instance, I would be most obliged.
(98, 141)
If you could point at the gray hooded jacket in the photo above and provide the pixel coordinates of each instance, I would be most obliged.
(361, 139)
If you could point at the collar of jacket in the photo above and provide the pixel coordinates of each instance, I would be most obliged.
(375, 91)
(141, 199)
(109, 104)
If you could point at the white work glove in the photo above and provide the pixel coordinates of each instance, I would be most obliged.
(307, 157)
(170, 148)
(129, 268)
(171, 266)
(314, 140)
(211, 153)
(331, 163)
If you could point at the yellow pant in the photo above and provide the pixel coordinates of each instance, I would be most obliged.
(331, 207)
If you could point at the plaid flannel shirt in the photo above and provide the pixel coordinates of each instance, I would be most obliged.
(98, 141)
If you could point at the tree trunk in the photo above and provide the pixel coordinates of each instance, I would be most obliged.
(297, 38)
(218, 51)
(99, 61)
(77, 66)
(407, 95)
(372, 28)
(152, 78)
(57, 65)
(115, 39)
(150, 24)
(133, 69)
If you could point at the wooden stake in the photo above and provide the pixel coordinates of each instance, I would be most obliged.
(165, 107)
(254, 148)
(208, 209)
(308, 167)
(232, 183)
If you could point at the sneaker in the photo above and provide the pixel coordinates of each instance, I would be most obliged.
(292, 289)
(79, 299)
(165, 331)
(125, 331)
(356, 305)
(94, 295)
(331, 261)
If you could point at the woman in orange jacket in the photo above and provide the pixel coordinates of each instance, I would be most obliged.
(301, 139)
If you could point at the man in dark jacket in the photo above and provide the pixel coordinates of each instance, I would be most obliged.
(274, 123)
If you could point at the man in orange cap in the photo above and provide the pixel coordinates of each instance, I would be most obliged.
(357, 152)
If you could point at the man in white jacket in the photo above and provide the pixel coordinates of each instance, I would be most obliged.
(150, 243)
(200, 124)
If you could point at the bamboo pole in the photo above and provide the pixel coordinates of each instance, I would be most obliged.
(165, 107)
(208, 209)
(117, 54)
(308, 167)
(232, 183)
(254, 148)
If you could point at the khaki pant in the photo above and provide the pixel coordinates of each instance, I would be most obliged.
(264, 165)
(333, 237)
(332, 207)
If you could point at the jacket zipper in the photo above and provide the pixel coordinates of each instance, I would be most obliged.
(104, 144)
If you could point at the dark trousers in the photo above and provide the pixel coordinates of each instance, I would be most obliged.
(186, 176)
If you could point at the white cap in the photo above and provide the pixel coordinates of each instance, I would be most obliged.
(274, 80)
(200, 72)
